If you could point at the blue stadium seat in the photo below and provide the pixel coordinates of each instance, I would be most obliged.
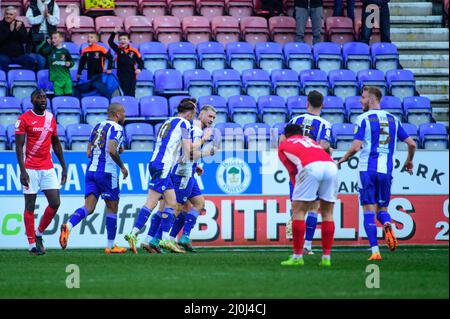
(314, 80)
(356, 56)
(21, 83)
(240, 56)
(43, 81)
(243, 109)
(67, 110)
(211, 56)
(433, 136)
(3, 139)
(256, 83)
(275, 132)
(11, 135)
(413, 132)
(269, 56)
(62, 135)
(333, 109)
(182, 56)
(342, 134)
(10, 110)
(297, 105)
(168, 81)
(227, 83)
(327, 56)
(272, 109)
(174, 101)
(417, 109)
(74, 51)
(130, 103)
(144, 84)
(220, 105)
(343, 83)
(285, 83)
(229, 136)
(78, 136)
(401, 83)
(154, 108)
(298, 56)
(3, 84)
(257, 136)
(94, 109)
(374, 78)
(392, 105)
(384, 56)
(353, 107)
(198, 83)
(140, 136)
(154, 55)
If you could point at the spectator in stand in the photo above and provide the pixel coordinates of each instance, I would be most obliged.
(13, 38)
(273, 7)
(94, 56)
(368, 11)
(305, 9)
(43, 16)
(339, 8)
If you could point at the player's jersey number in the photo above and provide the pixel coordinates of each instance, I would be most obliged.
(164, 130)
(307, 130)
(99, 139)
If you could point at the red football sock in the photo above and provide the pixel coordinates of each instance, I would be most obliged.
(28, 218)
(46, 219)
(298, 235)
(327, 237)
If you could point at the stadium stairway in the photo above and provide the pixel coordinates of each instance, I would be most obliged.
(424, 49)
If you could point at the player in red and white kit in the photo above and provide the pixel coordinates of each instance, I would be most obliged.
(313, 173)
(36, 129)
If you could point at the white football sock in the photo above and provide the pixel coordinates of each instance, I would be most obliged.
(308, 244)
(135, 231)
(375, 249)
(110, 244)
(297, 256)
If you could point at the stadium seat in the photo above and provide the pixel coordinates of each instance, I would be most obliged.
(254, 30)
(257, 136)
(79, 28)
(211, 8)
(285, 83)
(126, 8)
(309, 34)
(327, 56)
(433, 136)
(401, 83)
(3, 84)
(256, 83)
(339, 30)
(11, 136)
(239, 8)
(343, 135)
(174, 101)
(62, 136)
(314, 80)
(105, 25)
(94, 109)
(269, 56)
(43, 80)
(356, 56)
(21, 83)
(229, 136)
(196, 29)
(417, 109)
(272, 109)
(243, 109)
(154, 108)
(139, 28)
(139, 136)
(353, 107)
(333, 109)
(374, 78)
(168, 80)
(67, 110)
(282, 29)
(343, 83)
(275, 132)
(181, 8)
(130, 103)
(78, 136)
(144, 84)
(198, 83)
(153, 8)
(240, 56)
(298, 56)
(384, 56)
(393, 105)
(225, 29)
(74, 51)
(211, 56)
(10, 110)
(27, 105)
(182, 56)
(297, 105)
(412, 131)
(3, 139)
(227, 83)
(154, 55)
(73, 76)
(219, 103)
(167, 29)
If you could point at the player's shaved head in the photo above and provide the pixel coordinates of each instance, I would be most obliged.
(292, 129)
(116, 112)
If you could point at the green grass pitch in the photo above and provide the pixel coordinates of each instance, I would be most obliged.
(410, 272)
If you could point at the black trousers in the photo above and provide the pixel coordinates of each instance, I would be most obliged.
(128, 84)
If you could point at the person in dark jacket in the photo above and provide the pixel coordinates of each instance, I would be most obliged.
(339, 8)
(94, 57)
(13, 38)
(369, 15)
(129, 62)
(305, 9)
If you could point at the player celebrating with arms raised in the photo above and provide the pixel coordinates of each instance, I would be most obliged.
(104, 148)
(376, 132)
(313, 173)
(37, 172)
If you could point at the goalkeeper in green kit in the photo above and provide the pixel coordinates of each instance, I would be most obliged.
(59, 61)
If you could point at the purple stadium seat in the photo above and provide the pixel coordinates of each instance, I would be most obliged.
(275, 132)
(182, 56)
(94, 109)
(219, 103)
(401, 83)
(225, 29)
(433, 136)
(3, 139)
(269, 56)
(343, 83)
(227, 83)
(10, 110)
(298, 56)
(413, 132)
(257, 136)
(174, 101)
(211, 56)
(240, 56)
(144, 84)
(154, 55)
(78, 136)
(314, 80)
(417, 109)
(393, 105)
(243, 109)
(3, 84)
(342, 134)
(43, 80)
(62, 135)
(139, 136)
(296, 105)
(229, 135)
(74, 50)
(21, 83)
(272, 109)
(11, 136)
(168, 80)
(333, 109)
(198, 83)
(154, 107)
(67, 110)
(372, 77)
(353, 107)
(285, 83)
(356, 56)
(256, 83)
(130, 103)
(384, 56)
(327, 56)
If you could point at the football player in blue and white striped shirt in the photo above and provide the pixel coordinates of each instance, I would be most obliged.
(376, 132)
(105, 145)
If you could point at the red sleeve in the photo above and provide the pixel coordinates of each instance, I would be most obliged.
(55, 127)
(20, 125)
(291, 167)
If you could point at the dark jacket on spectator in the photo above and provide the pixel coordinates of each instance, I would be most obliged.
(12, 43)
(312, 3)
(377, 2)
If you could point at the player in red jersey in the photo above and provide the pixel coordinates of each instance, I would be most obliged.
(37, 173)
(313, 173)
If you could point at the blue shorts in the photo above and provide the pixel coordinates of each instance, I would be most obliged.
(104, 184)
(158, 183)
(374, 188)
(185, 188)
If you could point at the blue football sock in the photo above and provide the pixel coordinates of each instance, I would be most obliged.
(143, 216)
(166, 222)
(177, 225)
(371, 228)
(111, 228)
(311, 223)
(383, 217)
(191, 219)
(159, 232)
(78, 216)
(155, 224)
